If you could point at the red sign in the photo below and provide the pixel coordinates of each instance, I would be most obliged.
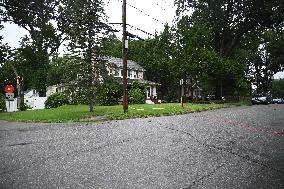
(9, 89)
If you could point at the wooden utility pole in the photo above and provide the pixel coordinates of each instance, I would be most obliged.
(124, 57)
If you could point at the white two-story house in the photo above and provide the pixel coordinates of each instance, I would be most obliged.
(134, 72)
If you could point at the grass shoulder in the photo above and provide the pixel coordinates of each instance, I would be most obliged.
(76, 113)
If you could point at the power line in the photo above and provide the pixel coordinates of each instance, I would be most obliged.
(129, 34)
(133, 27)
(143, 12)
(136, 28)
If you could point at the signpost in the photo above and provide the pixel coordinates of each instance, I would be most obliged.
(181, 100)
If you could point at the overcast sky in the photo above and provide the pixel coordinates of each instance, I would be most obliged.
(147, 15)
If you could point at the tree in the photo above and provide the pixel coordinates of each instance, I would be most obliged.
(268, 59)
(84, 22)
(231, 20)
(156, 55)
(4, 49)
(37, 17)
(57, 70)
(230, 23)
(278, 88)
(111, 46)
(192, 42)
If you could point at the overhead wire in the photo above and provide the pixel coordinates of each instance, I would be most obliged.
(134, 28)
(143, 12)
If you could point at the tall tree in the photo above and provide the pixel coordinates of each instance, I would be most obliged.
(37, 17)
(84, 22)
(111, 46)
(156, 55)
(269, 59)
(4, 49)
(230, 21)
(278, 88)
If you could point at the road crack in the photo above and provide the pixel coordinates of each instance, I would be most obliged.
(245, 157)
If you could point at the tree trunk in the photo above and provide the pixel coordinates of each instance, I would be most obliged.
(91, 105)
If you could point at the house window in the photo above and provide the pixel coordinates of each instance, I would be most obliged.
(121, 73)
(132, 74)
(135, 74)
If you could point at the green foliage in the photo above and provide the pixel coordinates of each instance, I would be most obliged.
(57, 70)
(157, 56)
(171, 97)
(84, 24)
(55, 100)
(79, 98)
(4, 48)
(236, 31)
(77, 113)
(136, 96)
(137, 93)
(24, 107)
(31, 60)
(109, 93)
(2, 103)
(278, 88)
(111, 46)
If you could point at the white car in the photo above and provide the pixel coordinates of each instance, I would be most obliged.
(278, 101)
(261, 99)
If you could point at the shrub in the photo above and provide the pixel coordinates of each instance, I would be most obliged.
(109, 93)
(137, 93)
(24, 107)
(2, 103)
(136, 96)
(78, 98)
(55, 100)
(171, 98)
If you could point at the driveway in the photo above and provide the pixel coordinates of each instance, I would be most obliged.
(239, 147)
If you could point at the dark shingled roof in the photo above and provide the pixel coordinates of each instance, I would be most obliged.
(130, 64)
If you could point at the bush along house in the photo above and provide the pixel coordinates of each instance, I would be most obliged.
(135, 73)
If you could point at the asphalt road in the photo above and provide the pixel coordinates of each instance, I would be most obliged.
(239, 147)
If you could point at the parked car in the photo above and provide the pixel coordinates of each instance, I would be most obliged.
(278, 101)
(261, 99)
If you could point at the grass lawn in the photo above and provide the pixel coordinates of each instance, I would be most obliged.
(74, 113)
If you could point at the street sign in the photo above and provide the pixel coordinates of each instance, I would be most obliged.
(9, 89)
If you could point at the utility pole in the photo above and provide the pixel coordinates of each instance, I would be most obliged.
(124, 57)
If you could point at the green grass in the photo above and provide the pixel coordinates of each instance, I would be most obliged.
(74, 113)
